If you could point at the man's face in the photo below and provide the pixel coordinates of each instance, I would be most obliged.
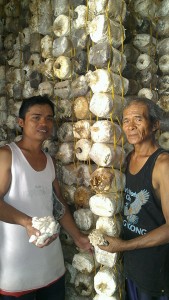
(38, 122)
(136, 124)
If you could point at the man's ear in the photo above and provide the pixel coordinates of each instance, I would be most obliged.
(20, 122)
(156, 126)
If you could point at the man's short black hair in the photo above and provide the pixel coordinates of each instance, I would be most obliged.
(27, 103)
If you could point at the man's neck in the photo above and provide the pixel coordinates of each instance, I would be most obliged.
(30, 146)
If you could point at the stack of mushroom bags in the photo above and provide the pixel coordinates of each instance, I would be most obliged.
(91, 151)
(146, 51)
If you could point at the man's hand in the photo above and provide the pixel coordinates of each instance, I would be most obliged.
(83, 242)
(47, 242)
(114, 244)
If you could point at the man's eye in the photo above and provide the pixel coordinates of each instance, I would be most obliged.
(35, 118)
(138, 119)
(50, 119)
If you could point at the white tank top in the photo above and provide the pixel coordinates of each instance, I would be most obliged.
(23, 266)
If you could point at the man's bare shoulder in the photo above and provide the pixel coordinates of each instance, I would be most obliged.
(5, 154)
(162, 163)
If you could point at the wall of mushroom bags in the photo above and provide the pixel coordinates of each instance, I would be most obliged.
(88, 56)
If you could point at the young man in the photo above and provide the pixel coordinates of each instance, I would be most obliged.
(146, 206)
(27, 180)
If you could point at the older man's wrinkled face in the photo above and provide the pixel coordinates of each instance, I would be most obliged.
(136, 124)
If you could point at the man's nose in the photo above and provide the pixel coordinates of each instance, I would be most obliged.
(132, 124)
(43, 121)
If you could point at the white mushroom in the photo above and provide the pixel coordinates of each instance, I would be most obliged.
(105, 281)
(97, 7)
(79, 175)
(148, 93)
(162, 26)
(81, 129)
(145, 8)
(84, 262)
(118, 61)
(28, 91)
(82, 149)
(62, 67)
(145, 43)
(65, 132)
(62, 46)
(164, 64)
(47, 227)
(79, 86)
(60, 7)
(120, 84)
(9, 41)
(164, 140)
(103, 29)
(34, 61)
(163, 47)
(80, 21)
(61, 26)
(22, 39)
(17, 59)
(118, 10)
(63, 89)
(106, 205)
(110, 225)
(81, 108)
(99, 80)
(65, 153)
(104, 131)
(69, 174)
(71, 271)
(5, 119)
(105, 258)
(50, 146)
(64, 109)
(96, 237)
(15, 75)
(107, 180)
(68, 193)
(83, 174)
(3, 133)
(46, 88)
(163, 8)
(84, 219)
(145, 62)
(101, 104)
(84, 284)
(106, 155)
(163, 102)
(46, 46)
(82, 196)
(105, 297)
(47, 68)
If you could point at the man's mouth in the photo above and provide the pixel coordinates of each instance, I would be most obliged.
(42, 130)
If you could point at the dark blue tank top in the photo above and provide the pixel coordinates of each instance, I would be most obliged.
(148, 267)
